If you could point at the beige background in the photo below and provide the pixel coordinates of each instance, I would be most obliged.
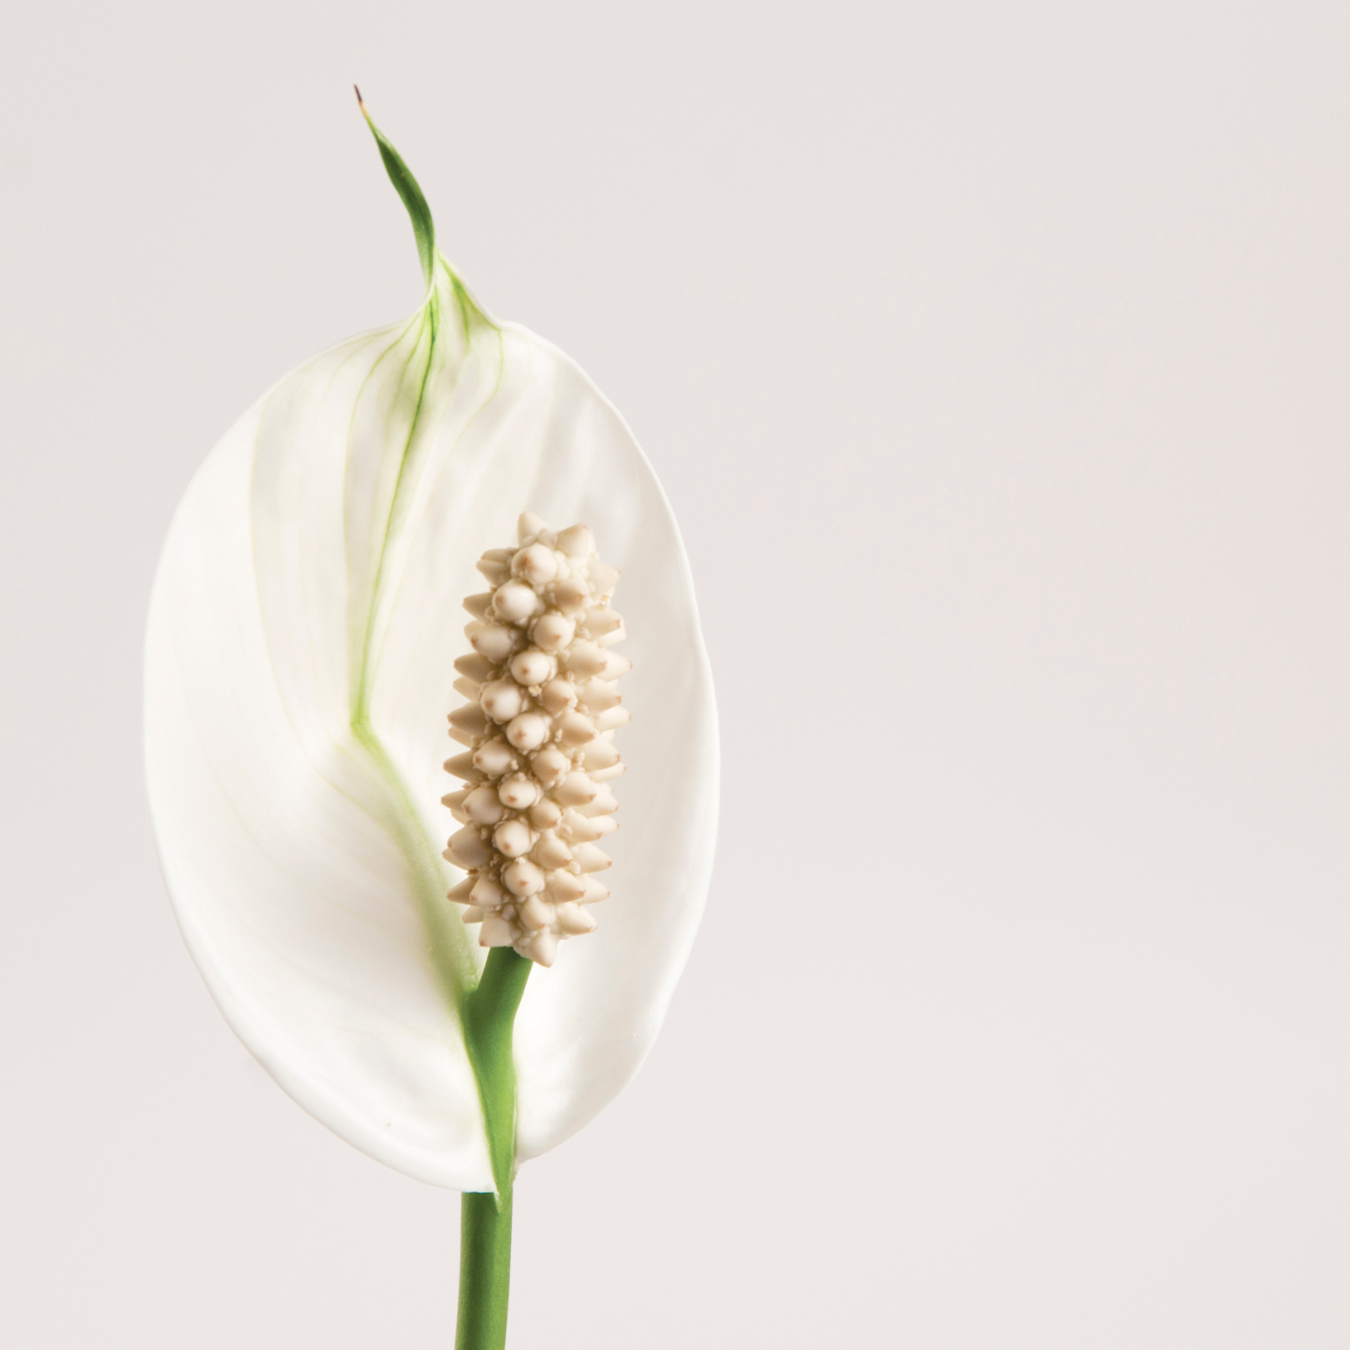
(994, 358)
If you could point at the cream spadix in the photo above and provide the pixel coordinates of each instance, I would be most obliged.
(305, 647)
(516, 811)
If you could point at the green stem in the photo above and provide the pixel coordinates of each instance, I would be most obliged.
(484, 1270)
(489, 1015)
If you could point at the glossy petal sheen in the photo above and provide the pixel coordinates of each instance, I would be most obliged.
(303, 626)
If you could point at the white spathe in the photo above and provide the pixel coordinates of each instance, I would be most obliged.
(299, 669)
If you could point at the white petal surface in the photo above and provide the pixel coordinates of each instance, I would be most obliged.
(303, 627)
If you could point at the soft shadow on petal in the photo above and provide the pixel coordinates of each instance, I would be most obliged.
(280, 841)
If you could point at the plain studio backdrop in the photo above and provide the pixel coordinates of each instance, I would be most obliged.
(994, 359)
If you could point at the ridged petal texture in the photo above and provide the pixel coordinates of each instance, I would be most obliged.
(303, 628)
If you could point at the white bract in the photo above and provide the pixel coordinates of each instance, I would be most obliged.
(544, 707)
(300, 666)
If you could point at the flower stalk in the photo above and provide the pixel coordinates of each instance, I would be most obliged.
(489, 1015)
(484, 1270)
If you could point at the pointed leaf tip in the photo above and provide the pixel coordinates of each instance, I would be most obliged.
(424, 229)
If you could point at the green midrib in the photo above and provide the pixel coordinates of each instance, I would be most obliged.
(449, 949)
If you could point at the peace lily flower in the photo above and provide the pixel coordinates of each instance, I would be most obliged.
(304, 631)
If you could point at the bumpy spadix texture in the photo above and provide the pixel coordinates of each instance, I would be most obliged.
(304, 629)
(540, 729)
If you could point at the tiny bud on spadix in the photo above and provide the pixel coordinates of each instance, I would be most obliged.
(494, 569)
(550, 766)
(575, 729)
(478, 605)
(565, 886)
(527, 527)
(581, 830)
(483, 806)
(603, 577)
(591, 859)
(571, 595)
(532, 667)
(577, 789)
(553, 632)
(573, 919)
(470, 721)
(600, 755)
(558, 695)
(495, 642)
(539, 758)
(612, 718)
(536, 564)
(577, 542)
(462, 766)
(513, 838)
(493, 758)
(467, 849)
(518, 791)
(546, 815)
(502, 700)
(515, 601)
(474, 667)
(592, 892)
(598, 695)
(551, 853)
(528, 731)
(603, 804)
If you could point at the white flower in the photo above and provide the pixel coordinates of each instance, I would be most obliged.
(300, 666)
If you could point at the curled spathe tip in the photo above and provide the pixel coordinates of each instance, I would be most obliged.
(410, 192)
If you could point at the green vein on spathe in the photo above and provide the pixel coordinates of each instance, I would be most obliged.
(448, 940)
(431, 315)
(471, 314)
